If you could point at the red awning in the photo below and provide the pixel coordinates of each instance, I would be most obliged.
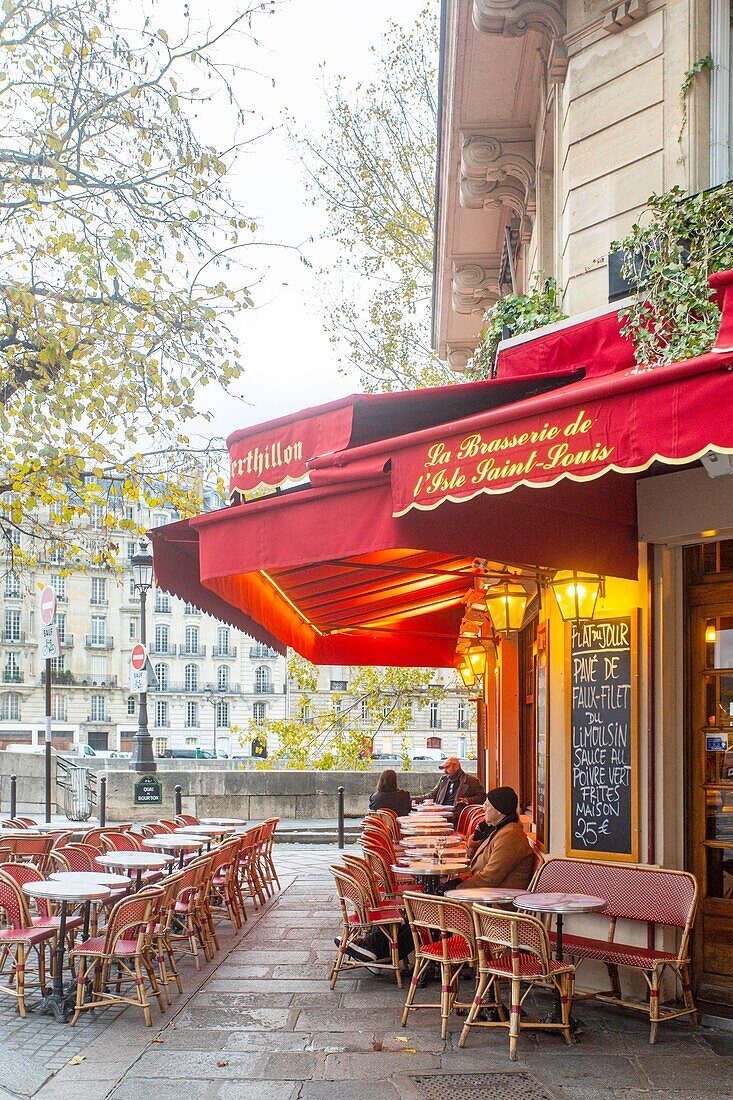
(272, 454)
(369, 563)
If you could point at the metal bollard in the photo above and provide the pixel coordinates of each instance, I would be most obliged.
(13, 795)
(103, 800)
(178, 792)
(341, 817)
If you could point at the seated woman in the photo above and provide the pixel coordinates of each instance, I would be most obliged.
(500, 852)
(388, 796)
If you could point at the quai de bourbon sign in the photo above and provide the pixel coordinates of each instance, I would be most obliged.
(148, 791)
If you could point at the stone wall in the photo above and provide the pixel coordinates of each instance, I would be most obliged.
(30, 769)
(300, 795)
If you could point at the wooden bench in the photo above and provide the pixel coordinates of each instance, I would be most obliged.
(645, 894)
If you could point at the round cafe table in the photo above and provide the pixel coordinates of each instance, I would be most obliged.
(484, 895)
(179, 844)
(58, 1000)
(234, 821)
(135, 861)
(203, 830)
(560, 905)
(11, 834)
(430, 870)
(452, 840)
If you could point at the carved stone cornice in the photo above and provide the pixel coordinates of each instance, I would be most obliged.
(458, 356)
(499, 173)
(488, 158)
(475, 284)
(618, 16)
(513, 18)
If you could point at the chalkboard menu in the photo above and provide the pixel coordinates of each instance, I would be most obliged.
(602, 756)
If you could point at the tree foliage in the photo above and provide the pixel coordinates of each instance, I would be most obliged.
(117, 232)
(340, 734)
(373, 171)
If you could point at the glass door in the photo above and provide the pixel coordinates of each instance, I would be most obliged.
(710, 779)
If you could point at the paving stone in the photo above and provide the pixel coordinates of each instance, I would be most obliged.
(676, 1071)
(135, 1088)
(243, 970)
(379, 1064)
(266, 987)
(230, 999)
(594, 1069)
(272, 1042)
(334, 1090)
(266, 958)
(228, 1065)
(235, 1019)
(20, 1076)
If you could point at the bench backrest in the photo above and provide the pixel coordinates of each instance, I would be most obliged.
(632, 893)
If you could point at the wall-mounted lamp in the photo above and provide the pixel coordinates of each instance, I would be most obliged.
(467, 674)
(506, 604)
(576, 593)
(711, 633)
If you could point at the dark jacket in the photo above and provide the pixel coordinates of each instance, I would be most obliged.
(399, 801)
(469, 789)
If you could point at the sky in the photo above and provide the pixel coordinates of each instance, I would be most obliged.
(289, 361)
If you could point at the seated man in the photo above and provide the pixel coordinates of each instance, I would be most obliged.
(500, 851)
(456, 788)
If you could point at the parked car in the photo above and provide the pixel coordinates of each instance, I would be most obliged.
(187, 754)
(429, 754)
(387, 758)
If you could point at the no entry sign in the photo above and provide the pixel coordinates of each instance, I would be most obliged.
(139, 657)
(48, 605)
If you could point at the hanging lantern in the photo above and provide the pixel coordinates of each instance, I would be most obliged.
(506, 604)
(711, 633)
(476, 658)
(576, 594)
(467, 674)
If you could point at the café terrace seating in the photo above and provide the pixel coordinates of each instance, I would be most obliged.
(138, 939)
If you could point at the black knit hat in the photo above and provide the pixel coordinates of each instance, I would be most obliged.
(503, 799)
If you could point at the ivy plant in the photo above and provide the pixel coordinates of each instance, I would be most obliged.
(517, 313)
(669, 257)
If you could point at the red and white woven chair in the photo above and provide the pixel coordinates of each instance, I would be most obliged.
(515, 947)
(126, 944)
(454, 948)
(19, 937)
(360, 916)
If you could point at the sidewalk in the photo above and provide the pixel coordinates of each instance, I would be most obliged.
(261, 1024)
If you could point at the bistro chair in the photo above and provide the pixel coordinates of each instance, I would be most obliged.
(60, 840)
(204, 916)
(161, 936)
(249, 872)
(225, 899)
(360, 869)
(120, 842)
(515, 947)
(125, 944)
(93, 837)
(188, 928)
(43, 917)
(454, 948)
(19, 937)
(266, 862)
(186, 819)
(23, 822)
(30, 849)
(75, 857)
(361, 916)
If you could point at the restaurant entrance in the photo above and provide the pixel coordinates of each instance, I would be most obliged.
(709, 581)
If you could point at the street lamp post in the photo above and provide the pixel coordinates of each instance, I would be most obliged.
(215, 697)
(142, 751)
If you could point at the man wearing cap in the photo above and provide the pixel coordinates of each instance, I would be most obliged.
(502, 854)
(456, 788)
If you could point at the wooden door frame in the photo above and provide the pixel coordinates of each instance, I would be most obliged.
(702, 600)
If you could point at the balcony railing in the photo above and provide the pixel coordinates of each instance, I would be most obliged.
(163, 649)
(67, 641)
(14, 637)
(262, 652)
(224, 651)
(12, 677)
(178, 688)
(93, 642)
(264, 689)
(162, 609)
(191, 651)
(102, 601)
(90, 680)
(165, 724)
(97, 718)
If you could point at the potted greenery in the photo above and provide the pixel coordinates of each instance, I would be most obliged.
(669, 259)
(510, 316)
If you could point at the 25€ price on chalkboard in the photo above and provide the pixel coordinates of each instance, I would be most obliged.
(603, 739)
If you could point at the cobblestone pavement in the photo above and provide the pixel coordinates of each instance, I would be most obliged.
(261, 1024)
